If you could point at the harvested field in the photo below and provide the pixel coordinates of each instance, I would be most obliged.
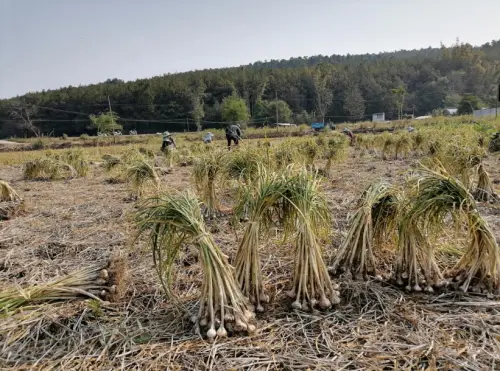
(70, 224)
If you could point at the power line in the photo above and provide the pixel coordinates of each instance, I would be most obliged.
(384, 98)
(181, 121)
(158, 121)
(60, 110)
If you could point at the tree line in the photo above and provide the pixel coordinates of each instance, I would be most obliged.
(300, 90)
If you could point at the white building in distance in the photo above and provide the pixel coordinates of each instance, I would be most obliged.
(485, 112)
(378, 117)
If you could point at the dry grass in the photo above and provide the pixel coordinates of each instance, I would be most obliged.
(375, 326)
(207, 173)
(142, 175)
(372, 222)
(440, 197)
(7, 193)
(484, 191)
(87, 282)
(11, 209)
(10, 202)
(47, 168)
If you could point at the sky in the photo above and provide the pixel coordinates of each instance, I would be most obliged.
(47, 44)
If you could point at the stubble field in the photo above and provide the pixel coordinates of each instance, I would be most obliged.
(73, 223)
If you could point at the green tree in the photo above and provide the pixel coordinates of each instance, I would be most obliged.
(105, 122)
(146, 98)
(213, 112)
(354, 104)
(265, 112)
(197, 96)
(234, 109)
(256, 88)
(304, 118)
(322, 78)
(197, 99)
(197, 112)
(399, 95)
(468, 104)
(284, 111)
(432, 96)
(261, 112)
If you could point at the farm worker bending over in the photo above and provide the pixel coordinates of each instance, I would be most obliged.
(208, 138)
(233, 133)
(350, 135)
(168, 141)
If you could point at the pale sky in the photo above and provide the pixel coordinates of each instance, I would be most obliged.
(47, 44)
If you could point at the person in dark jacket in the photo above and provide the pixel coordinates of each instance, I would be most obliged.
(167, 141)
(233, 133)
(351, 136)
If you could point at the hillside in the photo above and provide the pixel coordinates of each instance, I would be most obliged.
(357, 86)
(489, 50)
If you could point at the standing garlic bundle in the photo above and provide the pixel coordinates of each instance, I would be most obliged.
(172, 220)
(310, 220)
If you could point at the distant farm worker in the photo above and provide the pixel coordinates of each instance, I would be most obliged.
(208, 138)
(494, 145)
(233, 133)
(168, 141)
(351, 136)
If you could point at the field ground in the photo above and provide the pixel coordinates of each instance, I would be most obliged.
(74, 223)
(26, 144)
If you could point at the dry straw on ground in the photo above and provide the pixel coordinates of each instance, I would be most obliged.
(375, 326)
(485, 191)
(10, 201)
(372, 222)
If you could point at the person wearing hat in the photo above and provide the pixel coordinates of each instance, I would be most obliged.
(233, 133)
(167, 141)
(208, 138)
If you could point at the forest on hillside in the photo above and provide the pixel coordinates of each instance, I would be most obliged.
(302, 90)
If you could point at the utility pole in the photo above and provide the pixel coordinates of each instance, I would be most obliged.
(471, 108)
(109, 104)
(498, 100)
(111, 118)
(111, 112)
(187, 124)
(276, 95)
